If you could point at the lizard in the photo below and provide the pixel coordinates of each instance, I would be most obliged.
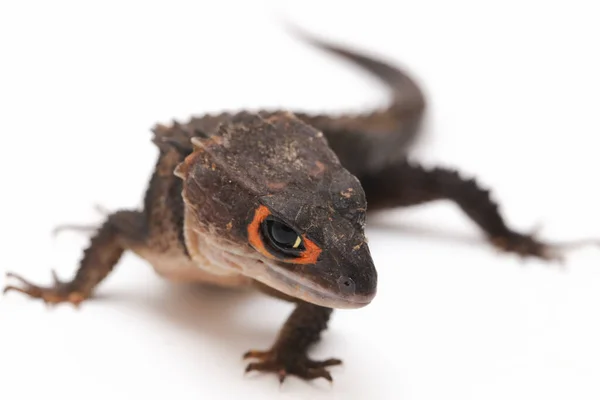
(277, 201)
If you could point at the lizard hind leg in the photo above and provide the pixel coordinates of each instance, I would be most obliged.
(105, 250)
(404, 184)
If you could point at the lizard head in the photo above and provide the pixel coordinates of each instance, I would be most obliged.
(267, 198)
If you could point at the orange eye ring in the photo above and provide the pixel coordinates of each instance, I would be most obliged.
(309, 256)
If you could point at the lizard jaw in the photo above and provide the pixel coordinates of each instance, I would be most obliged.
(293, 285)
(222, 257)
(306, 290)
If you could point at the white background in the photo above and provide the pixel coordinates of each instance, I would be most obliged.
(514, 90)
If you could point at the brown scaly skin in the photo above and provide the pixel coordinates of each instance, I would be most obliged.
(288, 355)
(99, 258)
(404, 184)
(218, 184)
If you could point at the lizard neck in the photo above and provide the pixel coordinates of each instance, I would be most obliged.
(205, 253)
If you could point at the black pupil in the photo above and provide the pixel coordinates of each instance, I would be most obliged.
(283, 234)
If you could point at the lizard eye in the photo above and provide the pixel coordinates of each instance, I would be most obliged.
(282, 238)
(273, 238)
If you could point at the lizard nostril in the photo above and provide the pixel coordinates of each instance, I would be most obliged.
(346, 285)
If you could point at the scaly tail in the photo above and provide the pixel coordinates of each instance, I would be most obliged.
(367, 142)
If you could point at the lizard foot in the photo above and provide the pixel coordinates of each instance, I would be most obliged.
(284, 362)
(527, 245)
(58, 293)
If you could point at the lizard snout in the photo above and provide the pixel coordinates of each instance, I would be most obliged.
(358, 282)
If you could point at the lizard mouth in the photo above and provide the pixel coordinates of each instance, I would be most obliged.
(230, 259)
(309, 291)
(294, 285)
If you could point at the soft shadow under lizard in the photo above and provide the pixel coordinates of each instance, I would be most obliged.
(277, 200)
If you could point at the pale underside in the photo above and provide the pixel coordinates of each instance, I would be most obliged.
(178, 268)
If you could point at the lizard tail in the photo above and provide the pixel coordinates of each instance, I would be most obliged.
(406, 93)
(368, 141)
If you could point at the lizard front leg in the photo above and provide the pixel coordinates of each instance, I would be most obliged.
(288, 356)
(103, 253)
(406, 184)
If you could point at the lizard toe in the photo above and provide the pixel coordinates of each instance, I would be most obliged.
(59, 292)
(285, 363)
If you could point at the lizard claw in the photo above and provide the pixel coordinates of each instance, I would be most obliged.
(59, 292)
(527, 245)
(81, 227)
(76, 228)
(285, 363)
